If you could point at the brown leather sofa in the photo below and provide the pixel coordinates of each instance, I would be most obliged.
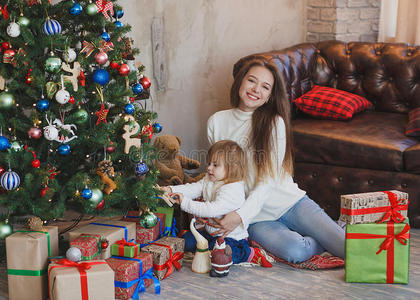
(370, 152)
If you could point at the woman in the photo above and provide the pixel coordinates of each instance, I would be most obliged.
(281, 217)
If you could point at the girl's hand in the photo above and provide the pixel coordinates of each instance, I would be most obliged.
(165, 189)
(176, 197)
(227, 224)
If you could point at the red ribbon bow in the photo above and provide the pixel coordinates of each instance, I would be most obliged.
(104, 7)
(81, 267)
(389, 238)
(4, 12)
(172, 261)
(393, 212)
(122, 243)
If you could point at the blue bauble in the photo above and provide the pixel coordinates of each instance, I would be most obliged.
(118, 14)
(42, 105)
(157, 127)
(76, 9)
(87, 193)
(64, 149)
(100, 76)
(118, 24)
(129, 109)
(51, 27)
(141, 169)
(10, 180)
(4, 143)
(137, 88)
(105, 36)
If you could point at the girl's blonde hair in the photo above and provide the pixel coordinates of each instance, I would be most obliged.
(233, 158)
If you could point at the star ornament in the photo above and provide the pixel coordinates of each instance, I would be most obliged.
(101, 114)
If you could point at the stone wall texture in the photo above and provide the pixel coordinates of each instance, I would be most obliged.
(346, 20)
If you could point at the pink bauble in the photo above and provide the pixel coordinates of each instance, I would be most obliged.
(34, 133)
(101, 58)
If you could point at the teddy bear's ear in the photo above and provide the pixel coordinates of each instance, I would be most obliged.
(179, 140)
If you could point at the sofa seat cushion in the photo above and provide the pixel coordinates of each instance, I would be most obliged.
(412, 159)
(371, 140)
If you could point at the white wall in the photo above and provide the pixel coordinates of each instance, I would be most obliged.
(203, 39)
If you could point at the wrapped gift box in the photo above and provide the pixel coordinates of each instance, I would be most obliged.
(168, 253)
(27, 255)
(72, 280)
(111, 230)
(89, 245)
(130, 272)
(146, 235)
(125, 249)
(377, 253)
(373, 207)
(169, 213)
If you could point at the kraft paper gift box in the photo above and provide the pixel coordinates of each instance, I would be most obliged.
(27, 255)
(373, 207)
(378, 253)
(89, 245)
(69, 280)
(133, 275)
(112, 230)
(146, 235)
(168, 253)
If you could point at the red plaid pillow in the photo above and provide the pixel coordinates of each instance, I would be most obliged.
(329, 103)
(413, 125)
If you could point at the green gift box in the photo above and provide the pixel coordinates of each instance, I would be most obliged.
(169, 212)
(125, 249)
(378, 253)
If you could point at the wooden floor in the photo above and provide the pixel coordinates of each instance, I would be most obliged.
(280, 282)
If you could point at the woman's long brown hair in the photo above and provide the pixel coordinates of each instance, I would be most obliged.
(264, 118)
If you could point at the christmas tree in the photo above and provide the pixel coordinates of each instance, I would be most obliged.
(74, 133)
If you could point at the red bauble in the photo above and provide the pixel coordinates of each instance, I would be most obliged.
(5, 45)
(104, 244)
(28, 80)
(34, 132)
(114, 65)
(101, 206)
(36, 163)
(101, 57)
(71, 100)
(44, 191)
(145, 82)
(124, 70)
(2, 170)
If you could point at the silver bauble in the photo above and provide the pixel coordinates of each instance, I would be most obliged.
(62, 96)
(69, 55)
(74, 254)
(13, 29)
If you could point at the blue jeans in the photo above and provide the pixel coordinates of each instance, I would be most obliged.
(303, 231)
(240, 249)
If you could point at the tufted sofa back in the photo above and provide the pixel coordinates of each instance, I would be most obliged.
(387, 74)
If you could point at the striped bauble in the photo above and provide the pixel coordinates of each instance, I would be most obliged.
(51, 27)
(10, 180)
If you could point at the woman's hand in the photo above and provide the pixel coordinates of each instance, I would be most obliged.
(227, 224)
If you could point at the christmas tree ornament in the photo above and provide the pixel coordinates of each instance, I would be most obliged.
(141, 169)
(50, 131)
(104, 242)
(129, 108)
(110, 148)
(80, 116)
(118, 14)
(105, 36)
(35, 223)
(42, 105)
(148, 219)
(4, 143)
(23, 21)
(68, 128)
(114, 65)
(36, 163)
(100, 76)
(100, 205)
(51, 88)
(62, 96)
(51, 27)
(75, 71)
(82, 78)
(69, 55)
(76, 9)
(10, 180)
(53, 63)
(5, 45)
(101, 114)
(34, 133)
(124, 70)
(101, 57)
(5, 229)
(72, 100)
(43, 191)
(63, 149)
(157, 128)
(2, 170)
(91, 9)
(13, 29)
(74, 254)
(147, 131)
(96, 198)
(6, 100)
(105, 6)
(8, 56)
(105, 171)
(145, 82)
(131, 130)
(28, 77)
(15, 146)
(86, 193)
(137, 88)
(118, 24)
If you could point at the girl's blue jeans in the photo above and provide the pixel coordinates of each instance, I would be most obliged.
(303, 231)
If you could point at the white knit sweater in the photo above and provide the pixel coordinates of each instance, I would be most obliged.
(274, 196)
(219, 199)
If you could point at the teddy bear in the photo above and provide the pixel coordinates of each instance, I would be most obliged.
(171, 164)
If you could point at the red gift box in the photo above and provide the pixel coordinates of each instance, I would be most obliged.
(89, 245)
(127, 270)
(146, 235)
